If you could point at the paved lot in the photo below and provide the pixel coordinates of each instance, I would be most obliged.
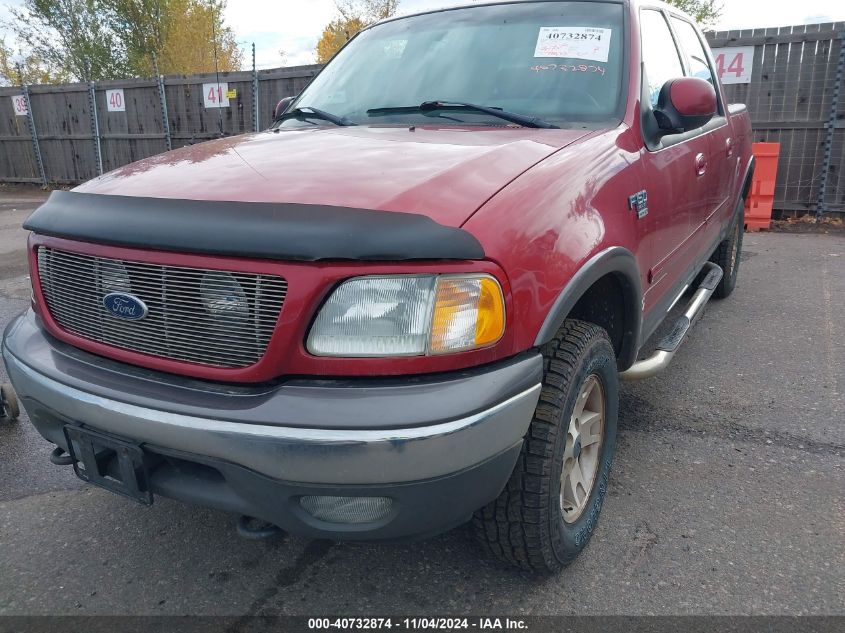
(726, 494)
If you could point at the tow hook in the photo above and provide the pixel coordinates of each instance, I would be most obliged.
(60, 457)
(256, 529)
(667, 347)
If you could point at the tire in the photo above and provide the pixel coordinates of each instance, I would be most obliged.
(727, 254)
(526, 525)
(11, 409)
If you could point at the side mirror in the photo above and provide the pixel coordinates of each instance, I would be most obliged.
(684, 104)
(282, 106)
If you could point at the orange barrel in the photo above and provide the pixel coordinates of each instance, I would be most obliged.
(761, 198)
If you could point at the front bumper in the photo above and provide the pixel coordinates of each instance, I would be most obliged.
(438, 447)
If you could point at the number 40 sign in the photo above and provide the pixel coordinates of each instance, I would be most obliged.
(733, 63)
(115, 101)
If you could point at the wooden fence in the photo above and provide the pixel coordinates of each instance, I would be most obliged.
(795, 97)
(77, 136)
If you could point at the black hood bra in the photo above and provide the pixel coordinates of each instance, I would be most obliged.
(301, 232)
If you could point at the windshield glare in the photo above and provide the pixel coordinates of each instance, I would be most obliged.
(560, 61)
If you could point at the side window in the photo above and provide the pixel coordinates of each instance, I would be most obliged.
(660, 55)
(693, 51)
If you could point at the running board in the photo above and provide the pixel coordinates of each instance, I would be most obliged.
(667, 347)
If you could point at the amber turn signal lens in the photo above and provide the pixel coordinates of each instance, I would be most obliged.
(469, 312)
(490, 325)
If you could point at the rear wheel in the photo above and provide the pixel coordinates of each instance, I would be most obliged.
(548, 510)
(727, 254)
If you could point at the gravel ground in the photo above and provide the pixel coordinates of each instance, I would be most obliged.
(726, 493)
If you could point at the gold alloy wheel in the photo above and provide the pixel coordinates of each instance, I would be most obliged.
(583, 449)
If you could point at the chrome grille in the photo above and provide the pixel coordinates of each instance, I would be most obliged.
(195, 315)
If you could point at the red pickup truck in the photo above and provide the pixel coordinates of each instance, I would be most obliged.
(409, 303)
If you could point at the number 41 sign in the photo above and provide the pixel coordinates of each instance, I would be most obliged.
(733, 63)
(215, 95)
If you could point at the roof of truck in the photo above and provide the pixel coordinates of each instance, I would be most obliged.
(463, 4)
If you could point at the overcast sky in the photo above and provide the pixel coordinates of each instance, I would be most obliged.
(295, 25)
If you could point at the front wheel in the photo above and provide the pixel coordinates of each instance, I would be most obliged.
(550, 506)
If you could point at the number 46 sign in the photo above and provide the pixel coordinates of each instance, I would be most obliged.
(733, 63)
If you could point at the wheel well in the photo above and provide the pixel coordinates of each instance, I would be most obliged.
(749, 178)
(605, 291)
(604, 304)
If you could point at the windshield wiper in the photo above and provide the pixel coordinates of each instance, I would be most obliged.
(307, 112)
(428, 106)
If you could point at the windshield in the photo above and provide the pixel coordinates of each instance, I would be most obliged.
(559, 61)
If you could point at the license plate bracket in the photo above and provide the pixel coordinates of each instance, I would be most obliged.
(109, 462)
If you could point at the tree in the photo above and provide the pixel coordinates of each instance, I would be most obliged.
(369, 11)
(354, 16)
(70, 35)
(705, 12)
(182, 36)
(90, 40)
(195, 36)
(335, 35)
(142, 26)
(17, 68)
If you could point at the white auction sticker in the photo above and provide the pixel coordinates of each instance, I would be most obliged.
(576, 42)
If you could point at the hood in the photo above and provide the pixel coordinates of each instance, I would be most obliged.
(445, 174)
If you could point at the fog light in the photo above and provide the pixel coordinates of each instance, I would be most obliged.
(224, 298)
(347, 509)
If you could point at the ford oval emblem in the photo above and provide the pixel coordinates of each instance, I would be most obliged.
(125, 306)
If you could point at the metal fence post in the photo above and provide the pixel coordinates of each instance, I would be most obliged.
(821, 206)
(255, 109)
(34, 135)
(95, 126)
(163, 99)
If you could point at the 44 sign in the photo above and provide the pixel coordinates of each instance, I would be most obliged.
(734, 63)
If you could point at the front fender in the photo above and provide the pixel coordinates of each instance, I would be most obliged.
(620, 263)
(563, 225)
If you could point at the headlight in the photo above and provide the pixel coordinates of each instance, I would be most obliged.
(409, 316)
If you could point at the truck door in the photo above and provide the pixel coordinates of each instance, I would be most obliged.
(721, 158)
(675, 175)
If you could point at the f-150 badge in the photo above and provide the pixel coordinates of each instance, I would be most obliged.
(639, 203)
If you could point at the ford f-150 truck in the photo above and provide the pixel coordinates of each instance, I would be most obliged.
(408, 304)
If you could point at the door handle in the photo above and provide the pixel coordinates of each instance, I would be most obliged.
(700, 164)
(729, 147)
